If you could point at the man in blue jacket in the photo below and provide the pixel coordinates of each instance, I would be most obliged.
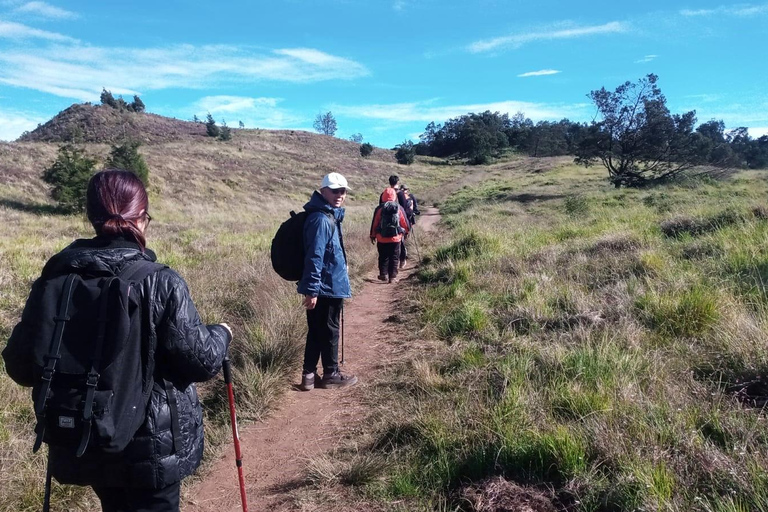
(325, 283)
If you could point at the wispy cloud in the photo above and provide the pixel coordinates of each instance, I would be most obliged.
(542, 72)
(647, 58)
(46, 11)
(513, 41)
(426, 111)
(78, 71)
(253, 112)
(12, 124)
(399, 5)
(743, 10)
(11, 30)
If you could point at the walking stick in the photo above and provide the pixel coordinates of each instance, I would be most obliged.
(235, 434)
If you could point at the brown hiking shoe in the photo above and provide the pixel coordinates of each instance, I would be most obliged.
(381, 277)
(336, 380)
(308, 381)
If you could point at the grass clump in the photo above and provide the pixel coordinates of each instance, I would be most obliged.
(689, 313)
(473, 245)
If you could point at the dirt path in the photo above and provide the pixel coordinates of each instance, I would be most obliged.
(309, 424)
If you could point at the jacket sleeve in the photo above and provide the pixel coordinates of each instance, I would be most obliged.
(189, 350)
(404, 221)
(18, 353)
(318, 231)
(375, 221)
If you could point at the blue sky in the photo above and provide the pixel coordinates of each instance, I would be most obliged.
(384, 68)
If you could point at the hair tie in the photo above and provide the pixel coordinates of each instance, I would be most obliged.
(116, 216)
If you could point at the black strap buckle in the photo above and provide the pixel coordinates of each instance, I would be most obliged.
(93, 379)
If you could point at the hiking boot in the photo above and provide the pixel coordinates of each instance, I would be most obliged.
(402, 263)
(381, 277)
(308, 381)
(336, 380)
(392, 280)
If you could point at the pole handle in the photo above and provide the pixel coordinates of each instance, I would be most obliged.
(226, 367)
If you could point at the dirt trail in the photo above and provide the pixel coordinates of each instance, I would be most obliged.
(309, 424)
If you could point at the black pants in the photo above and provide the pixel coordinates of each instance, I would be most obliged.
(323, 335)
(121, 499)
(389, 258)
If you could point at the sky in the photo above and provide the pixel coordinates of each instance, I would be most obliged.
(385, 69)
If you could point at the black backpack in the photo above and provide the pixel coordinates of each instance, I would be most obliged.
(92, 380)
(287, 251)
(389, 225)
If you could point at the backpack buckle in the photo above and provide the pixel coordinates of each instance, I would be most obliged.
(93, 379)
(48, 374)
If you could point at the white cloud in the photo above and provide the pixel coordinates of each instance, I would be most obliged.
(647, 58)
(399, 5)
(11, 30)
(518, 40)
(743, 10)
(543, 72)
(253, 112)
(758, 131)
(424, 112)
(13, 124)
(46, 10)
(77, 71)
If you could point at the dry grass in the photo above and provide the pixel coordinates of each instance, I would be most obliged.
(216, 206)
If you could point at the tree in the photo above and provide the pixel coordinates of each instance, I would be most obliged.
(68, 177)
(107, 98)
(638, 141)
(137, 105)
(126, 156)
(356, 137)
(195, 119)
(224, 132)
(325, 124)
(210, 126)
(366, 149)
(241, 124)
(405, 153)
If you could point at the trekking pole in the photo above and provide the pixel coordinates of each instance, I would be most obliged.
(416, 242)
(235, 434)
(342, 334)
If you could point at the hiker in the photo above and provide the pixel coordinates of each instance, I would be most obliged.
(171, 350)
(388, 229)
(324, 283)
(394, 184)
(411, 209)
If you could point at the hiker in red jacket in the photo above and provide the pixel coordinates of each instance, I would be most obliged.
(388, 228)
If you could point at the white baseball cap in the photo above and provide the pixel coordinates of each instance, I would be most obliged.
(334, 180)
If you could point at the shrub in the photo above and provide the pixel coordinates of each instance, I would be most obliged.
(366, 149)
(126, 156)
(405, 153)
(224, 132)
(69, 177)
(210, 126)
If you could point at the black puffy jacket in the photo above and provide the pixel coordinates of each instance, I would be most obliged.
(185, 351)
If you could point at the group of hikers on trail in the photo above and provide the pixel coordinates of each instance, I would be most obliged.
(112, 345)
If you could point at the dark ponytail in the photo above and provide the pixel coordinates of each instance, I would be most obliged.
(116, 201)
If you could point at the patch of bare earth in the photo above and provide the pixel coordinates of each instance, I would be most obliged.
(309, 424)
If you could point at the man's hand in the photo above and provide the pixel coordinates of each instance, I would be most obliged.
(310, 302)
(373, 241)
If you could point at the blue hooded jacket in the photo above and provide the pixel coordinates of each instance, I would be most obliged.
(325, 265)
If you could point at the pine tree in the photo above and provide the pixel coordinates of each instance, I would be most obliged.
(68, 176)
(126, 156)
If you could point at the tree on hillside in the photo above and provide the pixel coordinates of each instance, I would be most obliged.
(137, 105)
(405, 153)
(637, 139)
(107, 98)
(241, 124)
(126, 156)
(357, 138)
(68, 177)
(325, 124)
(210, 126)
(224, 132)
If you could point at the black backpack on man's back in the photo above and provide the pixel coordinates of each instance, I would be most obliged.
(287, 251)
(93, 372)
(389, 224)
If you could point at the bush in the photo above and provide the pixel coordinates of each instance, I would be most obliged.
(366, 149)
(405, 153)
(126, 156)
(210, 126)
(69, 177)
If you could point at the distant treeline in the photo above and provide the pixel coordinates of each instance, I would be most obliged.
(481, 137)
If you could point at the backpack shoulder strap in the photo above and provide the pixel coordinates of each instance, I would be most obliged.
(137, 271)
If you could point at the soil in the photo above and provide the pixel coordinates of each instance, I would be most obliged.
(310, 423)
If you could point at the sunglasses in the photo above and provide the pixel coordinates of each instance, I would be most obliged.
(338, 191)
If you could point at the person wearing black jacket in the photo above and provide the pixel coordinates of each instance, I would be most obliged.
(146, 475)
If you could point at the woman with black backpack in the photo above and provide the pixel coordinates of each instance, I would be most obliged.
(108, 326)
